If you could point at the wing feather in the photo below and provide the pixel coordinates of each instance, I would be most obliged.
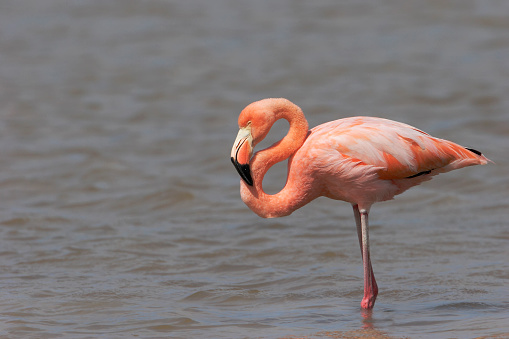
(399, 150)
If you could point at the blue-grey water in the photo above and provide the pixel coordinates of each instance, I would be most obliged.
(120, 214)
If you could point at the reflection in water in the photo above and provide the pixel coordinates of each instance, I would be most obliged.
(367, 330)
(356, 334)
(367, 319)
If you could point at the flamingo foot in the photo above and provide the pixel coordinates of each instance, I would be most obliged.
(370, 293)
(368, 302)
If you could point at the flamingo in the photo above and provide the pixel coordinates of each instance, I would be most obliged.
(361, 160)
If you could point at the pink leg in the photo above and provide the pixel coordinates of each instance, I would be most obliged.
(370, 286)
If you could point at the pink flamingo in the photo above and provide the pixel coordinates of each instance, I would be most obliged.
(360, 160)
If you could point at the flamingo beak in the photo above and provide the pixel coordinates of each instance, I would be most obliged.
(241, 154)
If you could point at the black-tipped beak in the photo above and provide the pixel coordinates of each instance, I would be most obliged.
(244, 172)
(241, 154)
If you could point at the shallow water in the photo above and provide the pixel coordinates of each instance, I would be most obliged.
(120, 213)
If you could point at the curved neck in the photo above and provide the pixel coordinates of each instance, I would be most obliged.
(291, 196)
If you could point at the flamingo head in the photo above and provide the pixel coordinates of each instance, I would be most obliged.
(255, 122)
(241, 154)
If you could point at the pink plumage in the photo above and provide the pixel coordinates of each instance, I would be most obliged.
(360, 160)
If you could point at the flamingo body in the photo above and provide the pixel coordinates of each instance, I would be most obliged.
(364, 160)
(360, 160)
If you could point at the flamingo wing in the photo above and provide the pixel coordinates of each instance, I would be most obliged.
(398, 150)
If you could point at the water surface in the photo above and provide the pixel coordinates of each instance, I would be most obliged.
(120, 214)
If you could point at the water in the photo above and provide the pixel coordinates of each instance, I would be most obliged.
(120, 214)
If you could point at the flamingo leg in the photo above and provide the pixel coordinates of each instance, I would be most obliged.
(370, 286)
